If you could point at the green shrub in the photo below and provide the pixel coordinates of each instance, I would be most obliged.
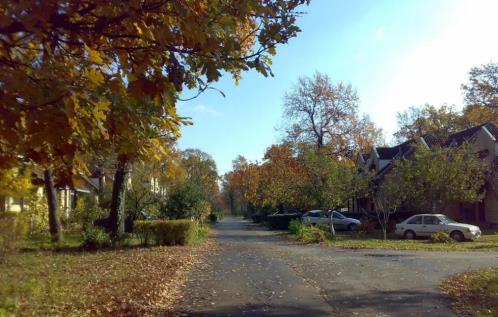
(281, 221)
(440, 237)
(95, 238)
(296, 226)
(167, 232)
(314, 234)
(13, 229)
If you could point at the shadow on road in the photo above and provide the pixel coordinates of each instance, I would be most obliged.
(256, 311)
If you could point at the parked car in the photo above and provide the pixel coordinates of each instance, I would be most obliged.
(424, 225)
(340, 221)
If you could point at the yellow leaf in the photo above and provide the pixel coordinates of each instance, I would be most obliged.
(94, 76)
(94, 56)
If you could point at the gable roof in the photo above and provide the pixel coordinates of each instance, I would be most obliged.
(465, 135)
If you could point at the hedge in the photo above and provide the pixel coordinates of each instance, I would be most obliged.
(281, 221)
(166, 232)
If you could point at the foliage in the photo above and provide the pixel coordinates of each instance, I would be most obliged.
(312, 234)
(86, 212)
(433, 176)
(440, 237)
(72, 60)
(16, 182)
(418, 121)
(281, 221)
(201, 172)
(202, 210)
(95, 238)
(482, 87)
(13, 229)
(296, 226)
(324, 115)
(182, 201)
(36, 214)
(474, 293)
(167, 232)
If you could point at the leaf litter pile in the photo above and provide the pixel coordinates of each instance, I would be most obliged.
(132, 282)
(474, 293)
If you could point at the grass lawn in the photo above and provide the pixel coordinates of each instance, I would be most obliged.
(347, 241)
(134, 281)
(474, 293)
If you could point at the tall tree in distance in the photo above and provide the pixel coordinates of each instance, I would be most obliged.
(482, 87)
(324, 114)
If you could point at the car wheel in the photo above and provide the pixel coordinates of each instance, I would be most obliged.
(352, 227)
(409, 235)
(457, 236)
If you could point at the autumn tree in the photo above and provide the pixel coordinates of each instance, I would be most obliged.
(325, 114)
(63, 62)
(241, 185)
(434, 176)
(428, 119)
(482, 87)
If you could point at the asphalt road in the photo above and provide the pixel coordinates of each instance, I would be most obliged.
(257, 272)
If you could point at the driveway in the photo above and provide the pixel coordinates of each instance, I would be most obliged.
(257, 272)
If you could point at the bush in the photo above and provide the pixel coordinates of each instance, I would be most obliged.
(296, 226)
(440, 237)
(314, 234)
(95, 238)
(167, 232)
(281, 221)
(13, 229)
(366, 227)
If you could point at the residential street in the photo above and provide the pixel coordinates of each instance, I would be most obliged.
(256, 272)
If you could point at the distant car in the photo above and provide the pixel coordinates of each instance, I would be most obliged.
(424, 225)
(340, 221)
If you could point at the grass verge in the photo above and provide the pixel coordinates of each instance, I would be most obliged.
(64, 280)
(348, 241)
(474, 293)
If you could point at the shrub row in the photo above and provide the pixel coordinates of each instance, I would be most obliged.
(166, 232)
(281, 221)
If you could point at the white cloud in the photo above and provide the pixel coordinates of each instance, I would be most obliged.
(206, 110)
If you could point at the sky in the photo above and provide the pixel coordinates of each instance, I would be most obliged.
(396, 54)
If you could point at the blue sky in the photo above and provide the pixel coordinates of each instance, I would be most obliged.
(396, 54)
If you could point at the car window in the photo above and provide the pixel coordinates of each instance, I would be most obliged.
(315, 214)
(431, 220)
(337, 215)
(415, 220)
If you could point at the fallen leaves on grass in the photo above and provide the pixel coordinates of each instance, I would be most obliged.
(134, 282)
(473, 293)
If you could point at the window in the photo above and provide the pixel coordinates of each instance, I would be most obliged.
(415, 220)
(315, 214)
(431, 220)
(337, 215)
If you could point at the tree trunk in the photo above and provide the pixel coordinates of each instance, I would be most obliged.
(116, 215)
(53, 209)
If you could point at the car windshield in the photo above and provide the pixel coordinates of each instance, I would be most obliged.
(445, 219)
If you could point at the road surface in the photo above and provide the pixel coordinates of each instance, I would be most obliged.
(257, 272)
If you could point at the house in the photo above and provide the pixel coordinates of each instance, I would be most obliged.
(67, 195)
(483, 139)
